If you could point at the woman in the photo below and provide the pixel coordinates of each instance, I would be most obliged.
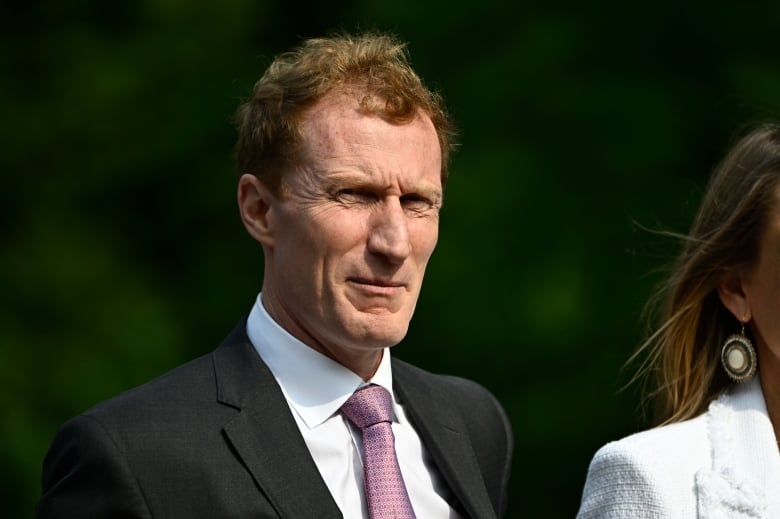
(715, 362)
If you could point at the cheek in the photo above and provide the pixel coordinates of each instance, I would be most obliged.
(336, 235)
(764, 302)
(425, 235)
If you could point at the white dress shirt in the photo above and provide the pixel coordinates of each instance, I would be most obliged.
(315, 388)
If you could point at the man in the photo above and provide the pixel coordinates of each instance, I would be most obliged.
(342, 155)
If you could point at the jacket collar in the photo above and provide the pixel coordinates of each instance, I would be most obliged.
(744, 478)
(245, 383)
(264, 433)
(444, 434)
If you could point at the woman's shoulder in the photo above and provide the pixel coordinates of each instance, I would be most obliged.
(660, 443)
(682, 445)
(647, 474)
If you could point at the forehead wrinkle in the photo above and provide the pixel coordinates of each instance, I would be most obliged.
(331, 142)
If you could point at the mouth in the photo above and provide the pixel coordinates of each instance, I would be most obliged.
(376, 282)
(377, 295)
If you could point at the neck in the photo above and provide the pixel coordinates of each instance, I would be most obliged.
(363, 362)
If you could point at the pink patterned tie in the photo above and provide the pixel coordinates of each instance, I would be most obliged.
(369, 409)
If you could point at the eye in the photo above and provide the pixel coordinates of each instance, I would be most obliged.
(349, 195)
(418, 203)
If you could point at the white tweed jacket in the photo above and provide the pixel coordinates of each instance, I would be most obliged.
(721, 464)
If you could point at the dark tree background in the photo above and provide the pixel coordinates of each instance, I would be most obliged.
(582, 124)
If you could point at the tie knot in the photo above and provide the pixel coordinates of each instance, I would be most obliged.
(368, 406)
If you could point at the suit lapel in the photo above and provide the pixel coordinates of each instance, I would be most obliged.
(745, 471)
(445, 436)
(264, 433)
(755, 447)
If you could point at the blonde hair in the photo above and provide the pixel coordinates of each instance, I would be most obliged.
(681, 356)
(373, 65)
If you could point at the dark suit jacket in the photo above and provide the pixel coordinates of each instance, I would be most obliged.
(215, 438)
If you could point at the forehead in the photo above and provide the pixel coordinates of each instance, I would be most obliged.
(336, 123)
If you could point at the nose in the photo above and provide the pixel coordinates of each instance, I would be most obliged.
(389, 232)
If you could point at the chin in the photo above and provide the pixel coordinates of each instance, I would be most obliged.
(374, 335)
(388, 338)
(369, 330)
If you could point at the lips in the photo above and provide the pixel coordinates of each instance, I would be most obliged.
(376, 282)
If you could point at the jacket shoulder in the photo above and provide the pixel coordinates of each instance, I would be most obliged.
(650, 474)
(184, 385)
(192, 385)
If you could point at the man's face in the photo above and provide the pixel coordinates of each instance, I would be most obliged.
(353, 230)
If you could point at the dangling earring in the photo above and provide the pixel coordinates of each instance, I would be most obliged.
(739, 357)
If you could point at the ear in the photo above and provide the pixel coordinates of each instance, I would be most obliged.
(255, 204)
(732, 295)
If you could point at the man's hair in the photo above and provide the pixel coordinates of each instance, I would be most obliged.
(373, 66)
(683, 353)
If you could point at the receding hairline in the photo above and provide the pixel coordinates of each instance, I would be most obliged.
(363, 98)
(350, 103)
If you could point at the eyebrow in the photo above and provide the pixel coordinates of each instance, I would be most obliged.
(337, 180)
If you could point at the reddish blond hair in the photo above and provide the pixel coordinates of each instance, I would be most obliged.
(373, 66)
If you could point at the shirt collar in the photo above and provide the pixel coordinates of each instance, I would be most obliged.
(315, 386)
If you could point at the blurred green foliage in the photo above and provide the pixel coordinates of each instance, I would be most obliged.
(122, 253)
